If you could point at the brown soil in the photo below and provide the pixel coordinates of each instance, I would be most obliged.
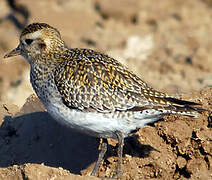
(167, 44)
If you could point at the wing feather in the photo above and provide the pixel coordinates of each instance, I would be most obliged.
(88, 80)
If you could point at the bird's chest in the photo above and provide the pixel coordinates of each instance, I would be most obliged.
(44, 86)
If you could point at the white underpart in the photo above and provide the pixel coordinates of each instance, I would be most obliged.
(91, 123)
(96, 124)
(104, 125)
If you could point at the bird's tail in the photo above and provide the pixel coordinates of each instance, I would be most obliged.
(183, 107)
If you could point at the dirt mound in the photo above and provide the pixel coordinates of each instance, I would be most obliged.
(34, 146)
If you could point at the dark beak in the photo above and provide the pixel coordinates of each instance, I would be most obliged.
(14, 52)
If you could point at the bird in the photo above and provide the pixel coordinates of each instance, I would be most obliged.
(92, 92)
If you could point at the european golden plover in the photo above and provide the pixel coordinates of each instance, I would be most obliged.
(90, 91)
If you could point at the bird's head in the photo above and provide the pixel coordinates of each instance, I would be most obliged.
(38, 40)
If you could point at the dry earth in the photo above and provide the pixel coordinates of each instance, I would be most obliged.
(167, 43)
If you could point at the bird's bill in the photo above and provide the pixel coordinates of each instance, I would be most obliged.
(14, 52)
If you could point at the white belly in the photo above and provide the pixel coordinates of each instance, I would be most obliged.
(94, 123)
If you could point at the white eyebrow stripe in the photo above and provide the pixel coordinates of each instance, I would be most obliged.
(33, 35)
(36, 34)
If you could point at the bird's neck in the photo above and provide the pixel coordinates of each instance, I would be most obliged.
(47, 60)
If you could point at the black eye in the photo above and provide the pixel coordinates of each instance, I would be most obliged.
(28, 41)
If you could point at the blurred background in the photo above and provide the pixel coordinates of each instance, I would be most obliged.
(167, 43)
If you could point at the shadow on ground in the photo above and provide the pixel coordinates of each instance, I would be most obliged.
(36, 138)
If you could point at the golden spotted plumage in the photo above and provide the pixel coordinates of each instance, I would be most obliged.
(101, 83)
(97, 77)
